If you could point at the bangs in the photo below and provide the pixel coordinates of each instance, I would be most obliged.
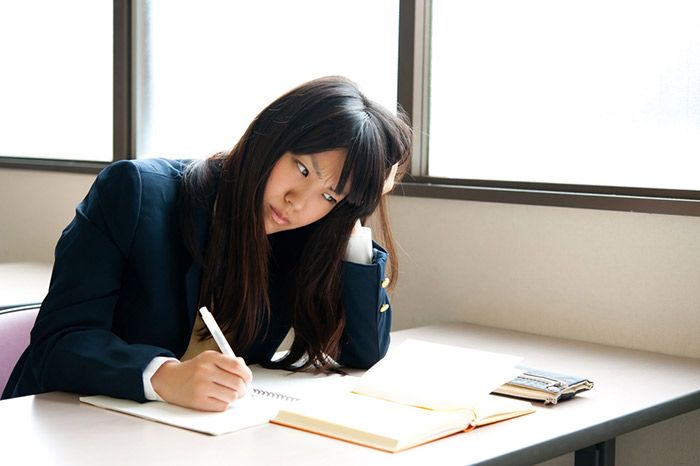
(358, 132)
(366, 157)
(365, 165)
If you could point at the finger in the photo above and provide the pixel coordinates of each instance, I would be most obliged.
(215, 404)
(229, 381)
(224, 393)
(233, 365)
(208, 396)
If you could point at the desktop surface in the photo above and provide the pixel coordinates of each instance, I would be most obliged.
(632, 389)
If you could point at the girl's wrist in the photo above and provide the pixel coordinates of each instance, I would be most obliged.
(359, 248)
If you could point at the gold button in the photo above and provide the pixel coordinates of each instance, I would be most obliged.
(385, 283)
(384, 308)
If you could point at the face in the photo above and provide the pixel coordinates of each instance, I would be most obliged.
(302, 189)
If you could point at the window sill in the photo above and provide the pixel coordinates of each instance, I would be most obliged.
(72, 166)
(656, 201)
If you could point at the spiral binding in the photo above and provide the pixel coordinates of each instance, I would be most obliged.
(278, 396)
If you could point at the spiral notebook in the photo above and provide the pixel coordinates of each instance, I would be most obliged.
(274, 389)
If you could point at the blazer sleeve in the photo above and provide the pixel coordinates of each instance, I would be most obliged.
(73, 347)
(368, 312)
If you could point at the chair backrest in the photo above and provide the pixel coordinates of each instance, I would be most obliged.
(15, 326)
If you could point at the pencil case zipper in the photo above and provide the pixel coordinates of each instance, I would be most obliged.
(549, 384)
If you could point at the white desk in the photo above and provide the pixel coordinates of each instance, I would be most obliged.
(23, 283)
(633, 389)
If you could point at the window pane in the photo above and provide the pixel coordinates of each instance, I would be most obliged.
(56, 80)
(598, 92)
(205, 72)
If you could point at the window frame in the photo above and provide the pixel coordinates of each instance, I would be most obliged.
(413, 96)
(122, 138)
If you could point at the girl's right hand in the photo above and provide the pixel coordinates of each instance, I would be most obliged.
(207, 382)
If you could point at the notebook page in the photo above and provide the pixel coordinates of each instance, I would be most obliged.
(280, 388)
(239, 415)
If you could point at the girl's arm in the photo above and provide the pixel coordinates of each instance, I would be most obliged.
(368, 311)
(73, 346)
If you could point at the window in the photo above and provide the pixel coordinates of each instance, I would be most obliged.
(204, 73)
(580, 104)
(603, 93)
(56, 80)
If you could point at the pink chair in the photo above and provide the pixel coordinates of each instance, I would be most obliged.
(15, 325)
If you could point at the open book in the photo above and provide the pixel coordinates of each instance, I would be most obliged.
(418, 393)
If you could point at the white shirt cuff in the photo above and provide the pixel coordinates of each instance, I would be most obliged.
(148, 372)
(359, 248)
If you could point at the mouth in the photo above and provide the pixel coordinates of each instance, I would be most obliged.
(278, 218)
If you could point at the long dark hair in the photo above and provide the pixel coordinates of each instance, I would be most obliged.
(321, 115)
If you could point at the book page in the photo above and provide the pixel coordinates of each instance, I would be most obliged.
(494, 408)
(435, 376)
(373, 422)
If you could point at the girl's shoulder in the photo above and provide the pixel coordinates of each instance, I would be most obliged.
(140, 177)
(154, 166)
(127, 185)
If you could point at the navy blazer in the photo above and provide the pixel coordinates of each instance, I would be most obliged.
(124, 289)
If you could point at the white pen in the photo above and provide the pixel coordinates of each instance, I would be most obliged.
(220, 339)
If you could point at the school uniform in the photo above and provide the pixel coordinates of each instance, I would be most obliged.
(124, 290)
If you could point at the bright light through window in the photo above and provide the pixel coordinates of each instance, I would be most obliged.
(56, 79)
(206, 69)
(598, 92)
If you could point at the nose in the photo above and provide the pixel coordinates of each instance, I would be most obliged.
(296, 199)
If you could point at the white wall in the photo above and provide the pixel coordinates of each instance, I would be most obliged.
(35, 206)
(617, 278)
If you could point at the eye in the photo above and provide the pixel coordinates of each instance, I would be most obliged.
(304, 171)
(329, 198)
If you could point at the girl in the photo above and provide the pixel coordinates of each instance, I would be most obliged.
(267, 236)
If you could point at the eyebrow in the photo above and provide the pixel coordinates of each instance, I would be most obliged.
(317, 170)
